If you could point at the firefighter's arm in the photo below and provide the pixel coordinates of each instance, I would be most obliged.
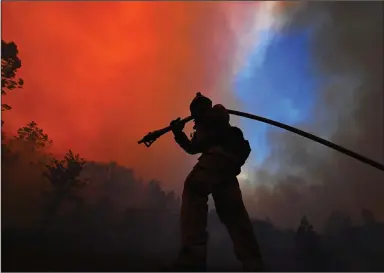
(190, 146)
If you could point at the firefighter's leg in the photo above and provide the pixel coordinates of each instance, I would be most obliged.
(194, 236)
(232, 212)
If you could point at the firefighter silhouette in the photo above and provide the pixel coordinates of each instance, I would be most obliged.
(223, 151)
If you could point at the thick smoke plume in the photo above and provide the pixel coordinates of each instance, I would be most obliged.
(303, 177)
(108, 73)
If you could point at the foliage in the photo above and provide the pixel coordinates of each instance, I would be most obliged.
(33, 134)
(64, 174)
(10, 63)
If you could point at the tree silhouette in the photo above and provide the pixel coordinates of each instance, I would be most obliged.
(157, 197)
(33, 134)
(63, 176)
(337, 222)
(29, 143)
(172, 201)
(10, 63)
(306, 245)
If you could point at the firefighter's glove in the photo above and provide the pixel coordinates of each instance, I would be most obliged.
(177, 126)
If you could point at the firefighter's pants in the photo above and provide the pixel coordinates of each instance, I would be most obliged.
(231, 211)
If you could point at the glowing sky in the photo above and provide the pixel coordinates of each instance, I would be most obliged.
(99, 75)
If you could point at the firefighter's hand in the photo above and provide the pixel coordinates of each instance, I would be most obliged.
(177, 126)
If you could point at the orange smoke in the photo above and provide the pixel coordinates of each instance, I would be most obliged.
(100, 75)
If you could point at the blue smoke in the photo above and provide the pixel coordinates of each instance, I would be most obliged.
(278, 83)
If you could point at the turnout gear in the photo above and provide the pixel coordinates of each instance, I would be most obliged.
(235, 144)
(224, 150)
(230, 208)
(220, 115)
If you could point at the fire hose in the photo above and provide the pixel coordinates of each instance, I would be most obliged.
(151, 137)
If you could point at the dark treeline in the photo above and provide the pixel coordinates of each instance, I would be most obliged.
(65, 214)
(118, 223)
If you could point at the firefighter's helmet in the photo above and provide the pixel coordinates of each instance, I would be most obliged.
(199, 104)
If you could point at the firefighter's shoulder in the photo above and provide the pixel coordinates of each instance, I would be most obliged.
(219, 114)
